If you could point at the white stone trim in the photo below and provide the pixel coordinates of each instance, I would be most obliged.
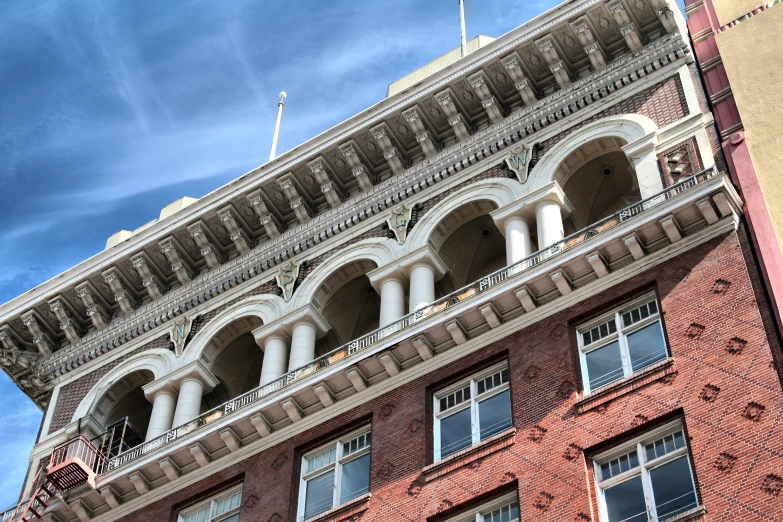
(499, 191)
(160, 361)
(640, 135)
(267, 308)
(379, 251)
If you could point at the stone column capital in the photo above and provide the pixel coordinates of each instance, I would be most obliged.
(519, 209)
(160, 386)
(525, 207)
(401, 268)
(284, 326)
(195, 371)
(641, 146)
(549, 193)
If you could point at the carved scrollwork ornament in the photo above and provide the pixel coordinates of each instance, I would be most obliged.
(398, 220)
(286, 279)
(518, 161)
(179, 333)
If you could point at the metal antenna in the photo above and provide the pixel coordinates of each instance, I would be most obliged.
(280, 106)
(464, 42)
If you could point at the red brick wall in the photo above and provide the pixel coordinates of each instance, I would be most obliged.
(712, 285)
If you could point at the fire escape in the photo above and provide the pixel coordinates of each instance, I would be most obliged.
(73, 463)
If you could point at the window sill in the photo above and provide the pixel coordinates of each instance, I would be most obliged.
(345, 511)
(471, 454)
(693, 514)
(627, 385)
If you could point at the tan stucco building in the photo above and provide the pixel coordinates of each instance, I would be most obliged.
(736, 43)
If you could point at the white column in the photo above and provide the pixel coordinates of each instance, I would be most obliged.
(549, 223)
(517, 240)
(422, 291)
(162, 414)
(392, 301)
(275, 358)
(302, 345)
(189, 401)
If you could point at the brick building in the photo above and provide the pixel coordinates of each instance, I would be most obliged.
(519, 288)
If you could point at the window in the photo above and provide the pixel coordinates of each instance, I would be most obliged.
(471, 411)
(335, 474)
(621, 343)
(505, 509)
(221, 508)
(649, 479)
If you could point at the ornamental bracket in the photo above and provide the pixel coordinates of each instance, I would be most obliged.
(398, 220)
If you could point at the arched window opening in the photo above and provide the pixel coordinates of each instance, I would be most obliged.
(349, 304)
(237, 362)
(599, 180)
(125, 399)
(471, 246)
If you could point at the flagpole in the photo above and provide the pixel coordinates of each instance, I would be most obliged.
(280, 106)
(464, 43)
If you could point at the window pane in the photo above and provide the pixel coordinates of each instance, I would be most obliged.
(604, 365)
(625, 501)
(455, 433)
(232, 518)
(320, 494)
(356, 479)
(673, 488)
(197, 517)
(495, 415)
(646, 346)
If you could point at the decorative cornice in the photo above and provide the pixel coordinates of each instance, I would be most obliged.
(478, 147)
(311, 149)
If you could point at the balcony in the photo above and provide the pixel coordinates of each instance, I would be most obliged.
(613, 249)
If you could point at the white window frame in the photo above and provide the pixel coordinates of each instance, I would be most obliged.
(339, 461)
(621, 335)
(477, 515)
(643, 468)
(211, 503)
(472, 403)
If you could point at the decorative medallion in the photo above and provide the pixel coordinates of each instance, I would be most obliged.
(518, 161)
(286, 279)
(179, 333)
(398, 220)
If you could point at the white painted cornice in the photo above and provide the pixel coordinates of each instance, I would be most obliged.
(309, 150)
(418, 178)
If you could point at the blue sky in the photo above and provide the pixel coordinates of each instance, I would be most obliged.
(112, 109)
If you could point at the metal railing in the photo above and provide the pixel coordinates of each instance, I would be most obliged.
(445, 303)
(7, 514)
(81, 448)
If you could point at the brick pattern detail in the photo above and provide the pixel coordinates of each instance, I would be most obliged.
(721, 287)
(725, 462)
(748, 489)
(679, 162)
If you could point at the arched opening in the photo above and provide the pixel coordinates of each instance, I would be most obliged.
(599, 180)
(237, 362)
(469, 244)
(125, 399)
(349, 304)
